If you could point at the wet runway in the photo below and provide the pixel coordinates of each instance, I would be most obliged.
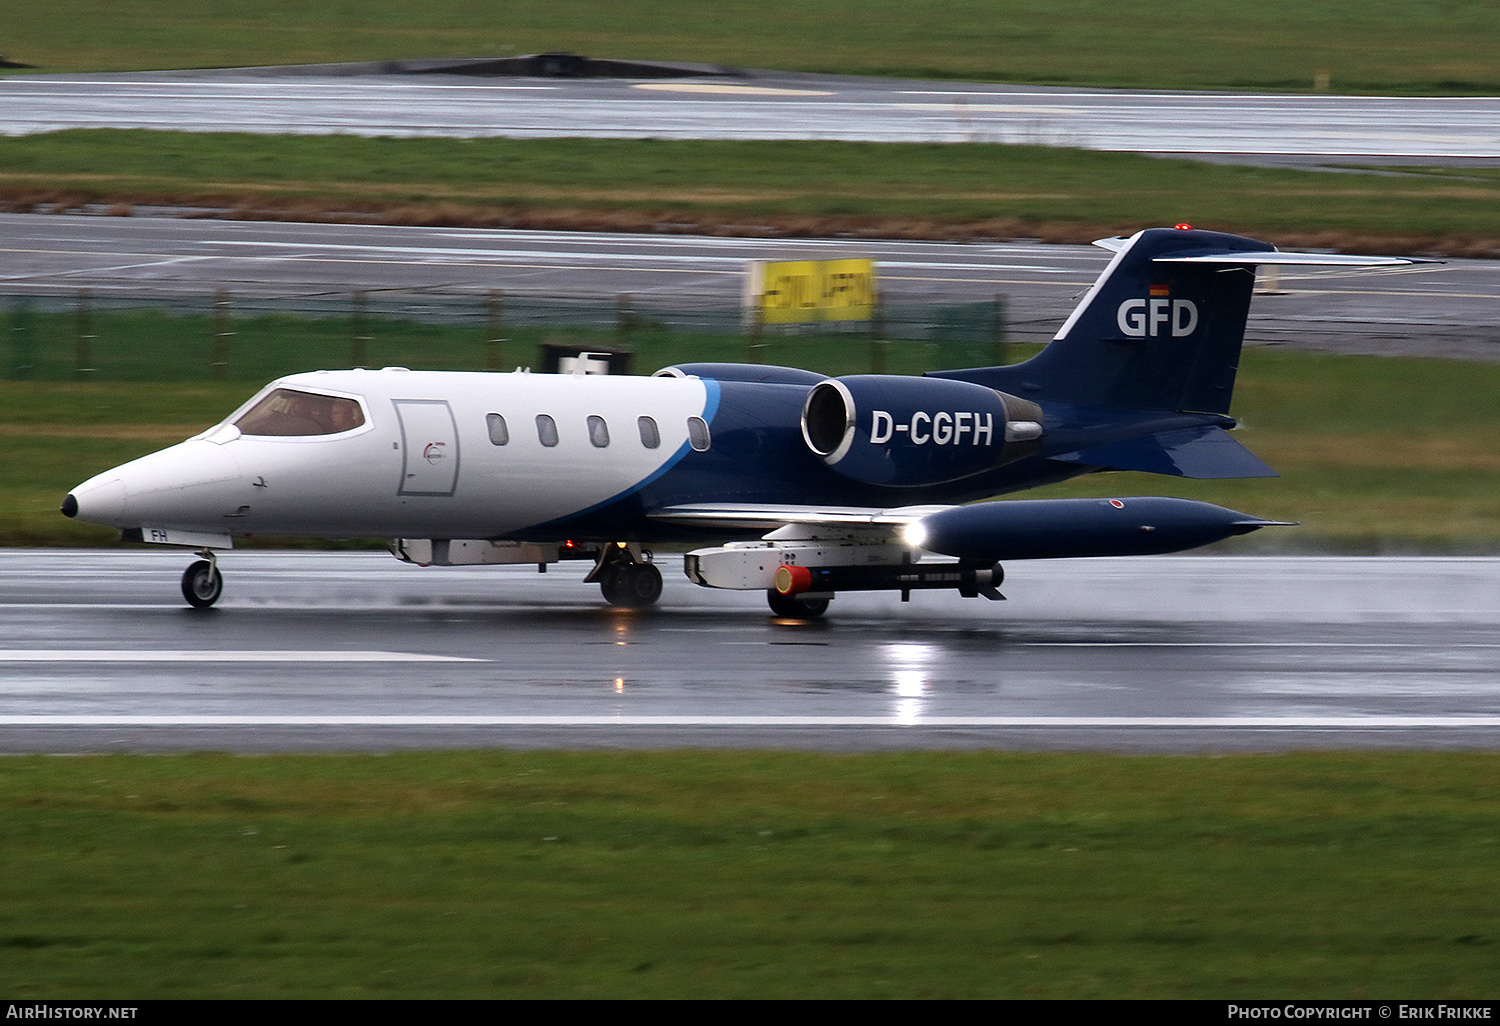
(1432, 309)
(355, 651)
(765, 105)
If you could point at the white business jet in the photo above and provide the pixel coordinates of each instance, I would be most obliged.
(813, 485)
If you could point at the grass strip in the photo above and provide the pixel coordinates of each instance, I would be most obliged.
(886, 190)
(1354, 45)
(750, 874)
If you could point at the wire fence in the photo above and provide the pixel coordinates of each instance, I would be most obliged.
(90, 336)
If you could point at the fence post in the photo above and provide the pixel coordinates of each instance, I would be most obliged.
(223, 335)
(997, 330)
(359, 332)
(624, 320)
(22, 338)
(83, 356)
(494, 310)
(756, 347)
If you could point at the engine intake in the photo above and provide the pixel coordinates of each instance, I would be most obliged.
(908, 431)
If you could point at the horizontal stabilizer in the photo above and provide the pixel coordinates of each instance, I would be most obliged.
(1202, 452)
(1288, 259)
(1285, 258)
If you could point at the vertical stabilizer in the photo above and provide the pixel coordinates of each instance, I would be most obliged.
(1157, 331)
(1160, 330)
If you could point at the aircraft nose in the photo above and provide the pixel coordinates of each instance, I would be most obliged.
(191, 483)
(99, 500)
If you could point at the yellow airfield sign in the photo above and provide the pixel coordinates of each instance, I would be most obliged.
(799, 291)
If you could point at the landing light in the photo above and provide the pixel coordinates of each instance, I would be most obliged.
(914, 534)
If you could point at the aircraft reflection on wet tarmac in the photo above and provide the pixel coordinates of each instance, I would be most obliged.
(356, 651)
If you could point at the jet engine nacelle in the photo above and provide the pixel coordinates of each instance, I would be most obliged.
(905, 431)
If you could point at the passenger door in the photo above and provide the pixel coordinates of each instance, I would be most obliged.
(429, 447)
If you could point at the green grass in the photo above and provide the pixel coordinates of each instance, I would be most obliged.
(893, 190)
(1436, 46)
(686, 874)
(159, 344)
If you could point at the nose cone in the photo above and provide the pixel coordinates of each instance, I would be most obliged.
(186, 485)
(99, 500)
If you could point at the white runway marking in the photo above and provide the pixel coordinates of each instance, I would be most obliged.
(1340, 645)
(740, 90)
(1188, 722)
(120, 655)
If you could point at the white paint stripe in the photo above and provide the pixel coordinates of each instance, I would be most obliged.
(1256, 644)
(267, 84)
(715, 87)
(1102, 722)
(300, 251)
(1294, 645)
(123, 655)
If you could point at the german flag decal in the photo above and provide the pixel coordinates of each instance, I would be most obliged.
(1160, 290)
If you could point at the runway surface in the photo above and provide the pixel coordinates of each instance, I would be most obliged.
(1433, 309)
(764, 106)
(337, 651)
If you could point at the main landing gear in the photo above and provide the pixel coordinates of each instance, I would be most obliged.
(626, 576)
(202, 584)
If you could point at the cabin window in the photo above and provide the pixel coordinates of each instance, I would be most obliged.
(650, 436)
(499, 433)
(698, 434)
(546, 429)
(598, 432)
(287, 411)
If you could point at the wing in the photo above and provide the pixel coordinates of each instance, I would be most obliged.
(770, 517)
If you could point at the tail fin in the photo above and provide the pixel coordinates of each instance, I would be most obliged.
(1162, 327)
(1155, 335)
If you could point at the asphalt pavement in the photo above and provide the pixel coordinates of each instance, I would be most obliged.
(356, 651)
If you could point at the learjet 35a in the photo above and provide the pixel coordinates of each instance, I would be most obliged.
(811, 485)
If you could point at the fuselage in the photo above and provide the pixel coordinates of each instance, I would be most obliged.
(484, 455)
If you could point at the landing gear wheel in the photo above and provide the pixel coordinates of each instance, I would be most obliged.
(632, 585)
(202, 584)
(794, 608)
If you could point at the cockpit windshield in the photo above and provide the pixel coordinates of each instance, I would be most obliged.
(287, 411)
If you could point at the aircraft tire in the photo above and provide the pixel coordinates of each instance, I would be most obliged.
(202, 584)
(631, 585)
(610, 586)
(794, 608)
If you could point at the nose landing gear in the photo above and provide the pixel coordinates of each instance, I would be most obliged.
(626, 576)
(202, 584)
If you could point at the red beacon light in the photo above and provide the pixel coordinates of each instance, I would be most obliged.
(1183, 227)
